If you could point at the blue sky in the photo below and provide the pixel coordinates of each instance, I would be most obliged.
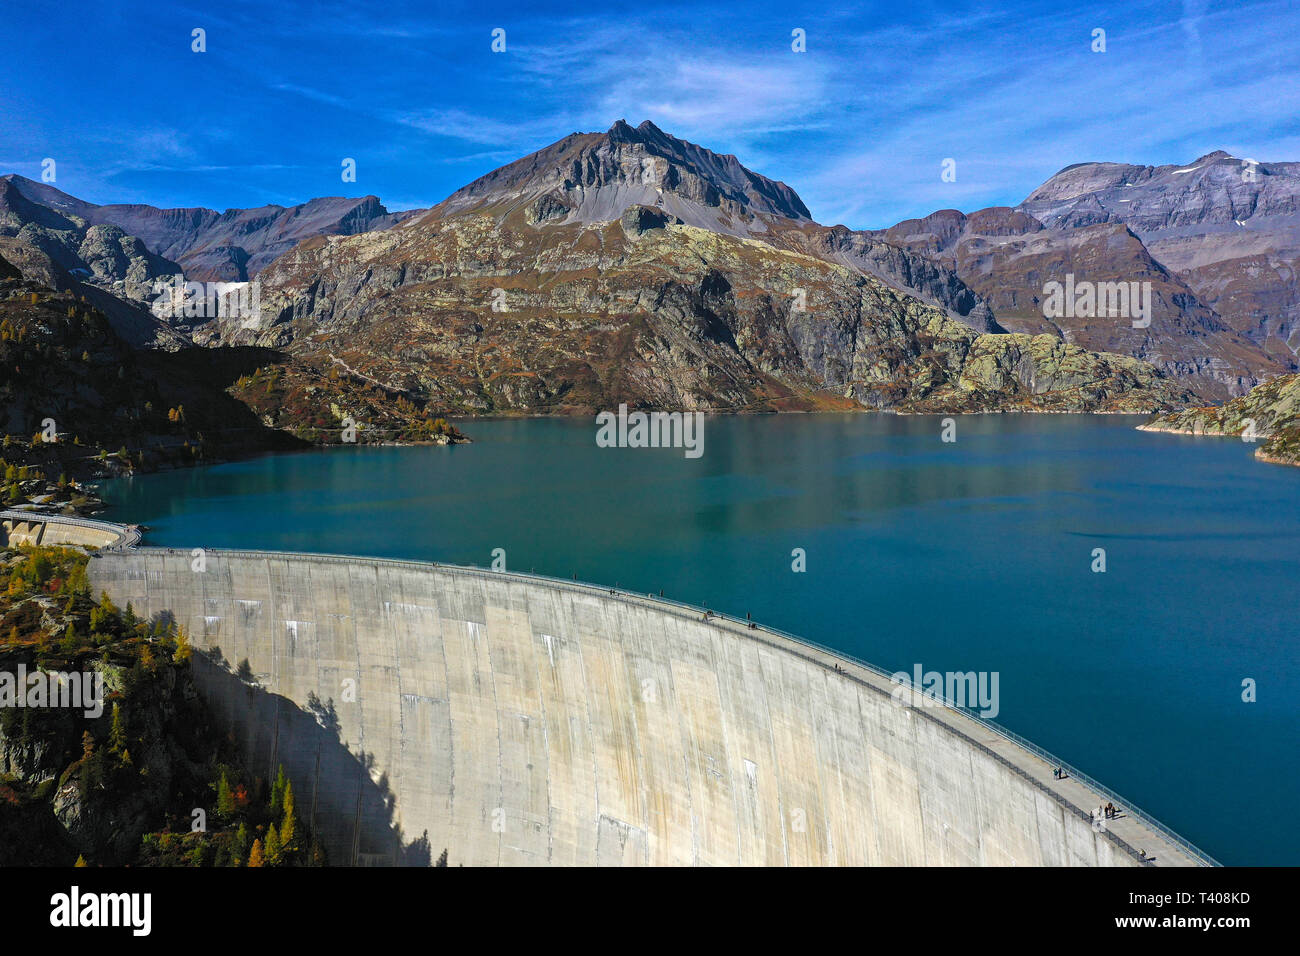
(859, 124)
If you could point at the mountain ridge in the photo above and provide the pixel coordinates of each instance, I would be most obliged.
(229, 246)
(1219, 239)
(550, 224)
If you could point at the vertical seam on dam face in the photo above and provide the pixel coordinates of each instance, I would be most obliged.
(485, 697)
(684, 757)
(499, 810)
(588, 695)
(647, 820)
(871, 843)
(783, 807)
(544, 719)
(729, 753)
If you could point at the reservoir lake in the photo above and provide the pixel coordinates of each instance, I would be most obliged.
(971, 555)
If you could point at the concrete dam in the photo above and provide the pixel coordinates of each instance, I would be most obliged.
(516, 720)
(38, 528)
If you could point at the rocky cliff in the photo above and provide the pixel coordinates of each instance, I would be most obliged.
(76, 400)
(1228, 227)
(1008, 257)
(101, 263)
(594, 177)
(94, 777)
(487, 311)
(129, 767)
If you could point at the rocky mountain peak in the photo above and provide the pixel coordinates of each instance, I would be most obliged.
(594, 177)
(43, 194)
(1216, 190)
(624, 132)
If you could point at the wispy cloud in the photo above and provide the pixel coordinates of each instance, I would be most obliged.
(480, 129)
(723, 96)
(1059, 104)
(311, 93)
(859, 124)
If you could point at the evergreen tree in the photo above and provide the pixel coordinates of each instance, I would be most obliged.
(277, 794)
(255, 857)
(240, 850)
(117, 732)
(289, 828)
(225, 799)
(273, 849)
(91, 770)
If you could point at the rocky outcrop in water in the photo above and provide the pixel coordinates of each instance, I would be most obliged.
(1269, 415)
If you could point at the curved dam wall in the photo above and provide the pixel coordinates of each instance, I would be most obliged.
(516, 720)
(37, 528)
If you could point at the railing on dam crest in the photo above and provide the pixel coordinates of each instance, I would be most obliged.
(123, 537)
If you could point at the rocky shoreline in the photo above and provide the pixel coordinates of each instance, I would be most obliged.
(1269, 415)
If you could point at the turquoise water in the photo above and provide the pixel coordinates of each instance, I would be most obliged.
(974, 555)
